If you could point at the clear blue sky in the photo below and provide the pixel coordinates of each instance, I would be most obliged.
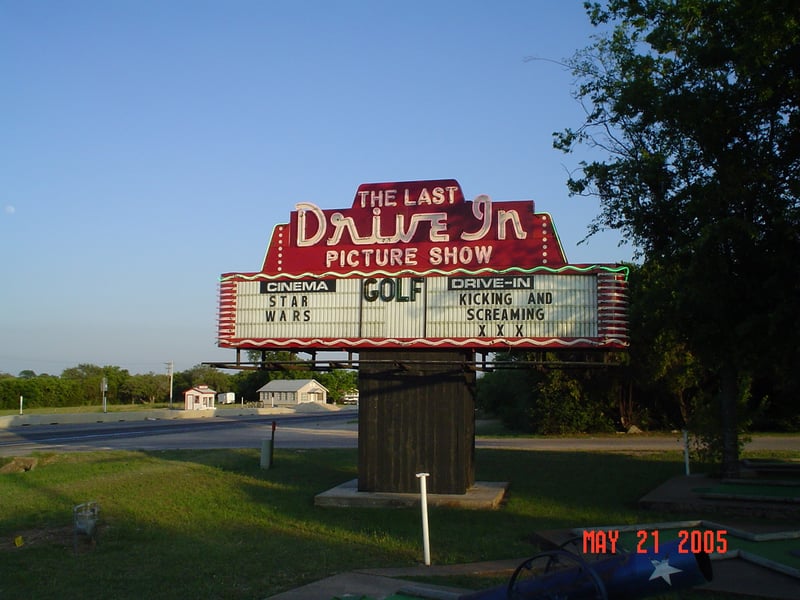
(148, 146)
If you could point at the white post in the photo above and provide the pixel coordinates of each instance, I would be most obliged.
(686, 450)
(423, 491)
(171, 379)
(20, 405)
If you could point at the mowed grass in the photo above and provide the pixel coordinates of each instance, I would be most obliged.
(89, 408)
(212, 524)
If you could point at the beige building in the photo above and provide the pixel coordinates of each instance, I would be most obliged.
(291, 392)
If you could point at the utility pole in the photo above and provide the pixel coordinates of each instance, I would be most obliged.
(169, 372)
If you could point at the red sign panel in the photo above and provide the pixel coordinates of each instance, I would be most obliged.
(413, 264)
(420, 226)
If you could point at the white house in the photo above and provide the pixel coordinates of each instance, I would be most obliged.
(200, 397)
(291, 392)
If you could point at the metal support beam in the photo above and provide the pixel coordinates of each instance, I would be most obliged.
(406, 365)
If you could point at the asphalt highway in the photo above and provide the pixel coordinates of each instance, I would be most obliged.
(318, 430)
(327, 430)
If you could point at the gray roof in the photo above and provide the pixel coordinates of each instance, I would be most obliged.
(203, 389)
(288, 385)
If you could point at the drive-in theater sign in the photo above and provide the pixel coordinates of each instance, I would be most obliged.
(415, 265)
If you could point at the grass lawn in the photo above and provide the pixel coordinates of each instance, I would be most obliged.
(89, 408)
(212, 524)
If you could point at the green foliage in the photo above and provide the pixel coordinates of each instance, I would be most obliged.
(544, 400)
(201, 375)
(663, 372)
(88, 378)
(147, 388)
(44, 390)
(705, 428)
(247, 383)
(338, 383)
(506, 393)
(697, 106)
(560, 405)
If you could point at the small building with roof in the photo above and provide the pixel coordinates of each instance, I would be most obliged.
(200, 397)
(292, 392)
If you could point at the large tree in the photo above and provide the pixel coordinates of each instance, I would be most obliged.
(694, 107)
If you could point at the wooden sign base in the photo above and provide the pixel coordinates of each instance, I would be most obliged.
(416, 414)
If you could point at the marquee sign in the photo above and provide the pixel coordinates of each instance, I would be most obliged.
(414, 265)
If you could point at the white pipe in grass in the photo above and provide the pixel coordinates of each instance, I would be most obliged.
(423, 492)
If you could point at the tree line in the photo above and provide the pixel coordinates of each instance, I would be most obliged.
(82, 385)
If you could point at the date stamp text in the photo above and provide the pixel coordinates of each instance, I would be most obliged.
(690, 541)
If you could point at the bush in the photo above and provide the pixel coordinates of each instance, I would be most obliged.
(551, 401)
(41, 391)
(561, 406)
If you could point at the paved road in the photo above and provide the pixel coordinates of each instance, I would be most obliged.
(326, 430)
(323, 430)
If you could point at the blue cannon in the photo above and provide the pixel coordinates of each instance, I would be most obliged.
(621, 576)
